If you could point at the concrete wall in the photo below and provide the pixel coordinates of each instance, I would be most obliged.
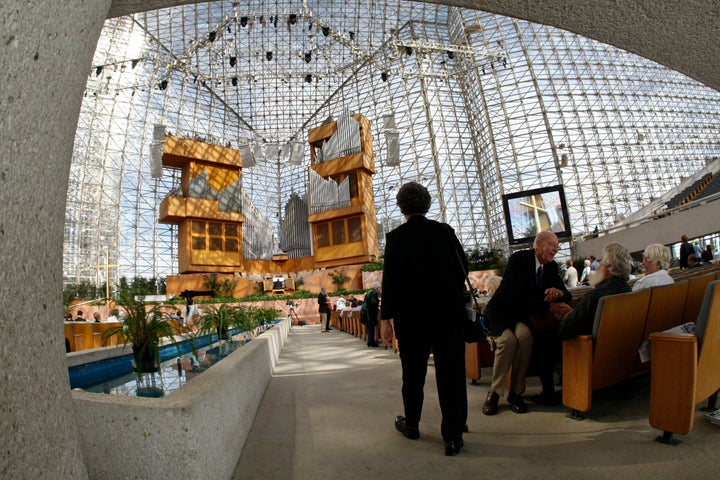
(197, 431)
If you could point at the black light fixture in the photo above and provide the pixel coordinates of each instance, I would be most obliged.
(308, 78)
(229, 29)
(233, 61)
(212, 35)
(352, 35)
(292, 19)
(408, 50)
(308, 57)
(98, 70)
(268, 55)
(234, 81)
(163, 85)
(450, 54)
(384, 76)
(134, 62)
(243, 21)
(326, 31)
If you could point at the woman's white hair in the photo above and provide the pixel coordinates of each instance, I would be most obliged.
(658, 253)
(618, 260)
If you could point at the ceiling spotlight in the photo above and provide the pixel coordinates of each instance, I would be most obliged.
(352, 35)
(212, 35)
(234, 81)
(134, 62)
(243, 21)
(233, 61)
(308, 78)
(308, 57)
(163, 85)
(408, 50)
(229, 29)
(384, 76)
(450, 54)
(326, 31)
(292, 19)
(268, 55)
(99, 70)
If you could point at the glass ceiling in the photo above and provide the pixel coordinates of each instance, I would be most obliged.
(484, 105)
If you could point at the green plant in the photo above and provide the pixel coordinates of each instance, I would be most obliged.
(299, 282)
(372, 267)
(339, 278)
(487, 259)
(144, 330)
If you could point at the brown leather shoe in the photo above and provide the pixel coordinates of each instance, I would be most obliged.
(516, 402)
(490, 407)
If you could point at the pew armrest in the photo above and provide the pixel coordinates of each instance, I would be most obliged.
(577, 372)
(673, 381)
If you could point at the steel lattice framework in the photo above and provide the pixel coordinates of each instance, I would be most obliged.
(484, 105)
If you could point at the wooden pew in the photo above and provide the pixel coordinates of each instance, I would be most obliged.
(665, 311)
(608, 356)
(683, 373)
(83, 335)
(696, 292)
(477, 356)
(69, 335)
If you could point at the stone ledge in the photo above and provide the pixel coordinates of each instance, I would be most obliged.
(197, 431)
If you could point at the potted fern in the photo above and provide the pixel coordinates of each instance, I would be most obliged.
(144, 329)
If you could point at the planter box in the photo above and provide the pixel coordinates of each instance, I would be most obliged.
(197, 431)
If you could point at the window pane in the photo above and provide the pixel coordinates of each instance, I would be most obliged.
(198, 243)
(354, 229)
(231, 245)
(353, 181)
(198, 228)
(338, 232)
(216, 243)
(323, 235)
(216, 228)
(231, 230)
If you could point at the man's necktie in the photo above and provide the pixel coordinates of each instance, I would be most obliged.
(538, 275)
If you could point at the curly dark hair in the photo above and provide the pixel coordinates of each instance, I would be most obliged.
(413, 199)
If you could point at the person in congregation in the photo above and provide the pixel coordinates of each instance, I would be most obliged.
(97, 317)
(707, 254)
(656, 259)
(585, 276)
(369, 314)
(323, 310)
(530, 287)
(693, 261)
(571, 275)
(79, 317)
(424, 248)
(610, 278)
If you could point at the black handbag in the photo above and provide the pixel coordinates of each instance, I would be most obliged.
(475, 329)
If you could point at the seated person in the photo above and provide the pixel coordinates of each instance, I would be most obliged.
(340, 304)
(693, 261)
(656, 258)
(609, 279)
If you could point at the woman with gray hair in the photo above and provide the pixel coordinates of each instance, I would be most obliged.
(610, 278)
(656, 258)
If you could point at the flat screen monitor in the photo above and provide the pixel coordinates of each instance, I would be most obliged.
(531, 211)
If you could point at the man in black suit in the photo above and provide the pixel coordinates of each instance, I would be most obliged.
(531, 289)
(433, 321)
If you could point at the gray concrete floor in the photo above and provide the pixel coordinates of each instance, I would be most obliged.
(329, 409)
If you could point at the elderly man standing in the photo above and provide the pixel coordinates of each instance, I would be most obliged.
(531, 288)
(610, 278)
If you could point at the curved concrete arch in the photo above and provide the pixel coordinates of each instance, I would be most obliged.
(46, 49)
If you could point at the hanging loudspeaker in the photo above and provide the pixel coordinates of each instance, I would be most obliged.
(246, 154)
(297, 152)
(393, 148)
(156, 154)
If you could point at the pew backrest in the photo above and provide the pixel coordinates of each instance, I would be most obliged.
(667, 304)
(618, 332)
(708, 332)
(696, 292)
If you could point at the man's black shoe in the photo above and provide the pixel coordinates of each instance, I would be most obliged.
(413, 433)
(546, 398)
(490, 407)
(516, 402)
(452, 447)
